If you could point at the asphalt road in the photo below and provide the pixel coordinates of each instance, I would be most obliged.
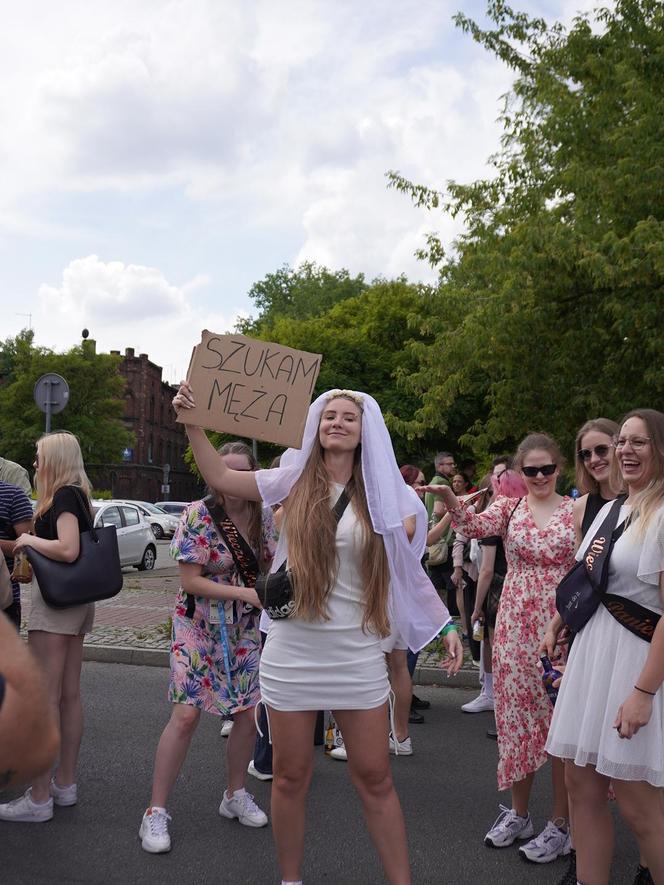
(447, 789)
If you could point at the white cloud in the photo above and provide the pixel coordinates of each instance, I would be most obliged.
(127, 306)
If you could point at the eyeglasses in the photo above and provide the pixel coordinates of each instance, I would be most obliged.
(601, 452)
(545, 470)
(636, 442)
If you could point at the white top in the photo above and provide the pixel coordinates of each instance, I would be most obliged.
(605, 663)
(328, 664)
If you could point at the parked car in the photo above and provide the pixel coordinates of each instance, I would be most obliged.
(163, 524)
(135, 537)
(175, 508)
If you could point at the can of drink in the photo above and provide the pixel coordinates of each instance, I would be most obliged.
(478, 631)
(549, 676)
(22, 571)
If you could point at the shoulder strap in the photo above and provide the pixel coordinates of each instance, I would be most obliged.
(509, 519)
(598, 552)
(342, 502)
(243, 556)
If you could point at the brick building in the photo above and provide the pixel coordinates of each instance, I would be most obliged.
(158, 453)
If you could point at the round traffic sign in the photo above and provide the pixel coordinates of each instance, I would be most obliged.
(51, 393)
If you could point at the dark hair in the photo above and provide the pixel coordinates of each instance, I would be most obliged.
(538, 441)
(236, 447)
(409, 473)
(468, 462)
(584, 481)
(502, 459)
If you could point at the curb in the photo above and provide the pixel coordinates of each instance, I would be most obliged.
(155, 657)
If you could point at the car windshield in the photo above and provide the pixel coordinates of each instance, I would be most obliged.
(151, 508)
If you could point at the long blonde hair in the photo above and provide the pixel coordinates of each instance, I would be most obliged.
(647, 502)
(312, 551)
(59, 463)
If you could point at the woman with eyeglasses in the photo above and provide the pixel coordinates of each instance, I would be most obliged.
(609, 716)
(538, 535)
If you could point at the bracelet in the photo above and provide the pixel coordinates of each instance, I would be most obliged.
(448, 628)
(645, 691)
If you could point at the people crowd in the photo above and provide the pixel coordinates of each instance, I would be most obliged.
(377, 564)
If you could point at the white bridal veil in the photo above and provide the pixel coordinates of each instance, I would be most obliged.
(415, 608)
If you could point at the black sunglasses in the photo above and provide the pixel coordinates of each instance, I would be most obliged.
(601, 452)
(545, 470)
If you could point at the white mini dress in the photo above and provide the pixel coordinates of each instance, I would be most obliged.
(604, 665)
(328, 664)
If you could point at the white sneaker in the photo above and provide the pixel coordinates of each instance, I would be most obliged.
(24, 810)
(242, 806)
(260, 775)
(226, 728)
(552, 842)
(480, 704)
(405, 746)
(154, 831)
(507, 828)
(64, 796)
(339, 753)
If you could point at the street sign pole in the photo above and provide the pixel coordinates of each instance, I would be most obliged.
(51, 395)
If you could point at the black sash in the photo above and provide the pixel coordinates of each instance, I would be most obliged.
(244, 557)
(636, 618)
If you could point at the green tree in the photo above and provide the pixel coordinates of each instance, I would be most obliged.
(94, 410)
(551, 303)
(302, 292)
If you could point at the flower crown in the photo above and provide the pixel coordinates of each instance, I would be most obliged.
(346, 394)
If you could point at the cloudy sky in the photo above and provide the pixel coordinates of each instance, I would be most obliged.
(157, 158)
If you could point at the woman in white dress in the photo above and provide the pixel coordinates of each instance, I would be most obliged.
(609, 716)
(353, 582)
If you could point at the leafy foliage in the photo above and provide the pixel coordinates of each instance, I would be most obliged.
(551, 304)
(94, 410)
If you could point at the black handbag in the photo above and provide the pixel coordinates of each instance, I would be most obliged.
(94, 575)
(275, 590)
(579, 594)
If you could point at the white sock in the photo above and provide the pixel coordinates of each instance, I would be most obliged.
(284, 882)
(158, 808)
(488, 685)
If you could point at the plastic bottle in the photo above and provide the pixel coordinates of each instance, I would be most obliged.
(478, 630)
(329, 735)
(549, 676)
(22, 571)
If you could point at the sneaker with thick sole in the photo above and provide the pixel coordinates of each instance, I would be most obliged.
(154, 831)
(339, 753)
(405, 747)
(24, 810)
(63, 796)
(553, 842)
(509, 827)
(260, 775)
(242, 806)
(418, 704)
(227, 728)
(481, 704)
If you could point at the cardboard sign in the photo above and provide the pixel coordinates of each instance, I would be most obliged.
(255, 389)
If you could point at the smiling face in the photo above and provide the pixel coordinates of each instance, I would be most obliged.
(340, 428)
(635, 454)
(540, 486)
(596, 452)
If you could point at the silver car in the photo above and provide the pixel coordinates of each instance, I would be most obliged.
(163, 524)
(135, 538)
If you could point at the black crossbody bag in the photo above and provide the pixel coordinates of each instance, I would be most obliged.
(275, 590)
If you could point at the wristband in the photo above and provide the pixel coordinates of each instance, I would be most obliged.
(448, 628)
(645, 691)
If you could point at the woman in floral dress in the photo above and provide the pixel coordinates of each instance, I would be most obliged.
(538, 535)
(215, 649)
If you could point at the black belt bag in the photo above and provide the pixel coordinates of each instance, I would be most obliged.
(275, 590)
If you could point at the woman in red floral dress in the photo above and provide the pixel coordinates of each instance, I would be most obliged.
(538, 535)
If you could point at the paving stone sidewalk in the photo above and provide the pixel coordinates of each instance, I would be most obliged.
(134, 627)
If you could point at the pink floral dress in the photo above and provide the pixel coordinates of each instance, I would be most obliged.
(537, 559)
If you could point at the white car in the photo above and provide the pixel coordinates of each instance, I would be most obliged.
(163, 524)
(175, 508)
(135, 538)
